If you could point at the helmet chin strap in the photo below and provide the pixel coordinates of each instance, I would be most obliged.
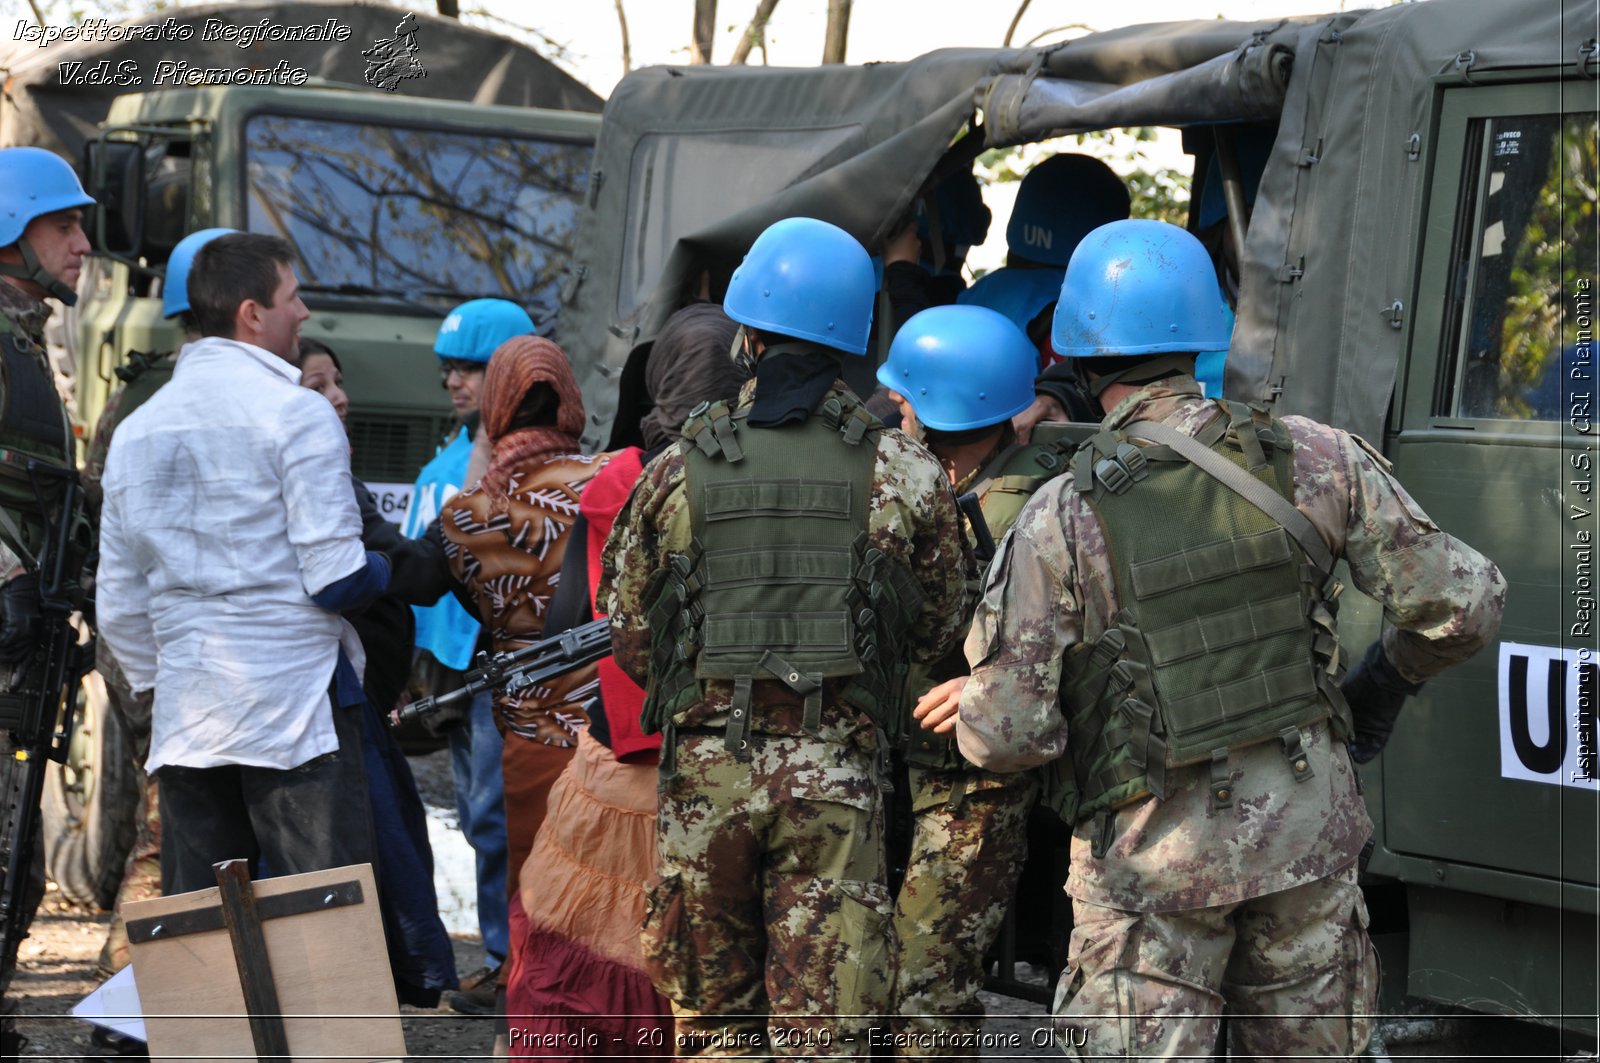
(32, 269)
(1142, 371)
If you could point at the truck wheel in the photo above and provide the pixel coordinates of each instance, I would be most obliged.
(91, 804)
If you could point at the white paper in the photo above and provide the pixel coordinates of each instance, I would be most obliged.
(115, 1006)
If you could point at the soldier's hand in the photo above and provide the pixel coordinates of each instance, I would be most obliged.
(936, 710)
(19, 618)
(1043, 408)
(1375, 691)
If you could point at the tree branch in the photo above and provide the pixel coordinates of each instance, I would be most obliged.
(705, 29)
(627, 53)
(754, 34)
(1012, 29)
(838, 32)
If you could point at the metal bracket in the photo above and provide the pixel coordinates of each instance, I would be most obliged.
(1291, 271)
(1464, 62)
(1588, 54)
(203, 920)
(1396, 311)
(1414, 147)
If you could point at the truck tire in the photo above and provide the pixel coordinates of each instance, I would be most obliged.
(90, 805)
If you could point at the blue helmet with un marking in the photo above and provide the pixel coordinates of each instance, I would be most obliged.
(475, 329)
(1140, 287)
(1060, 201)
(175, 287)
(961, 367)
(806, 279)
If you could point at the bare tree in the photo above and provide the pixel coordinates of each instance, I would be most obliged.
(754, 34)
(705, 29)
(833, 43)
(1012, 29)
(450, 8)
(627, 53)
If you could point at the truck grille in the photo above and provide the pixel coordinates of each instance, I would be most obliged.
(390, 448)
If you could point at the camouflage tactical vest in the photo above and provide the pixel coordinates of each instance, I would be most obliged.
(1003, 487)
(1226, 635)
(779, 583)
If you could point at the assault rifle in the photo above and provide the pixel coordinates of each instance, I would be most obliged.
(37, 710)
(983, 547)
(517, 670)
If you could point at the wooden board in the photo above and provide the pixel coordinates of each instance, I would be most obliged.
(331, 969)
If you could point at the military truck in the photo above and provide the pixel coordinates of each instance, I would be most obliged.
(1418, 266)
(463, 182)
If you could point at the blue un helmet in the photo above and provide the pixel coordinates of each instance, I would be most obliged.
(175, 288)
(1061, 200)
(1140, 287)
(961, 367)
(475, 329)
(35, 182)
(807, 279)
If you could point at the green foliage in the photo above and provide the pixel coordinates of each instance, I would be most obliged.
(1554, 249)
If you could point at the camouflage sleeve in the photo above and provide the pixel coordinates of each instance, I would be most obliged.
(914, 517)
(652, 523)
(1028, 617)
(1444, 598)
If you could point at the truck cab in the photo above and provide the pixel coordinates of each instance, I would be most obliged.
(397, 214)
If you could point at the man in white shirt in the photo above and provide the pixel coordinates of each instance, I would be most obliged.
(230, 539)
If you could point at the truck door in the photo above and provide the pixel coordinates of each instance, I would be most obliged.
(1488, 793)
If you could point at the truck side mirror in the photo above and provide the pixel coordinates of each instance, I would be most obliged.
(117, 182)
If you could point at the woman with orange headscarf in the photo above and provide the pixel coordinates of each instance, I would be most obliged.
(505, 540)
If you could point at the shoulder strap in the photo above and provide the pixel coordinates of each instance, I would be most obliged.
(1242, 483)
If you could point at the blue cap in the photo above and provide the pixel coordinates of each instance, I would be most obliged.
(475, 329)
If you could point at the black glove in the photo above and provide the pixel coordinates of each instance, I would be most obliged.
(1375, 692)
(19, 619)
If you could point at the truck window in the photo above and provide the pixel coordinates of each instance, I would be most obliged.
(435, 215)
(1524, 245)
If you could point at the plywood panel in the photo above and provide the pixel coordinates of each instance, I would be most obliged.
(331, 969)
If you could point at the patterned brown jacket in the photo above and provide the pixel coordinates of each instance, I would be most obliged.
(510, 563)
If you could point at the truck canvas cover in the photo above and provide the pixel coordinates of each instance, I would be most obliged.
(694, 161)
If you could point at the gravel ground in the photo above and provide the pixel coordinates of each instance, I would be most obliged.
(57, 969)
(57, 962)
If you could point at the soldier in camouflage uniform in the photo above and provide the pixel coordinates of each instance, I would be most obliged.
(1189, 634)
(958, 374)
(42, 245)
(768, 581)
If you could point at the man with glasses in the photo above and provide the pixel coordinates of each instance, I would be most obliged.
(448, 634)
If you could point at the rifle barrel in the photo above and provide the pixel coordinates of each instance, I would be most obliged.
(519, 669)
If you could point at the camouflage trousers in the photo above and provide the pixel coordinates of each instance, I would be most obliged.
(141, 876)
(768, 926)
(1294, 971)
(967, 849)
